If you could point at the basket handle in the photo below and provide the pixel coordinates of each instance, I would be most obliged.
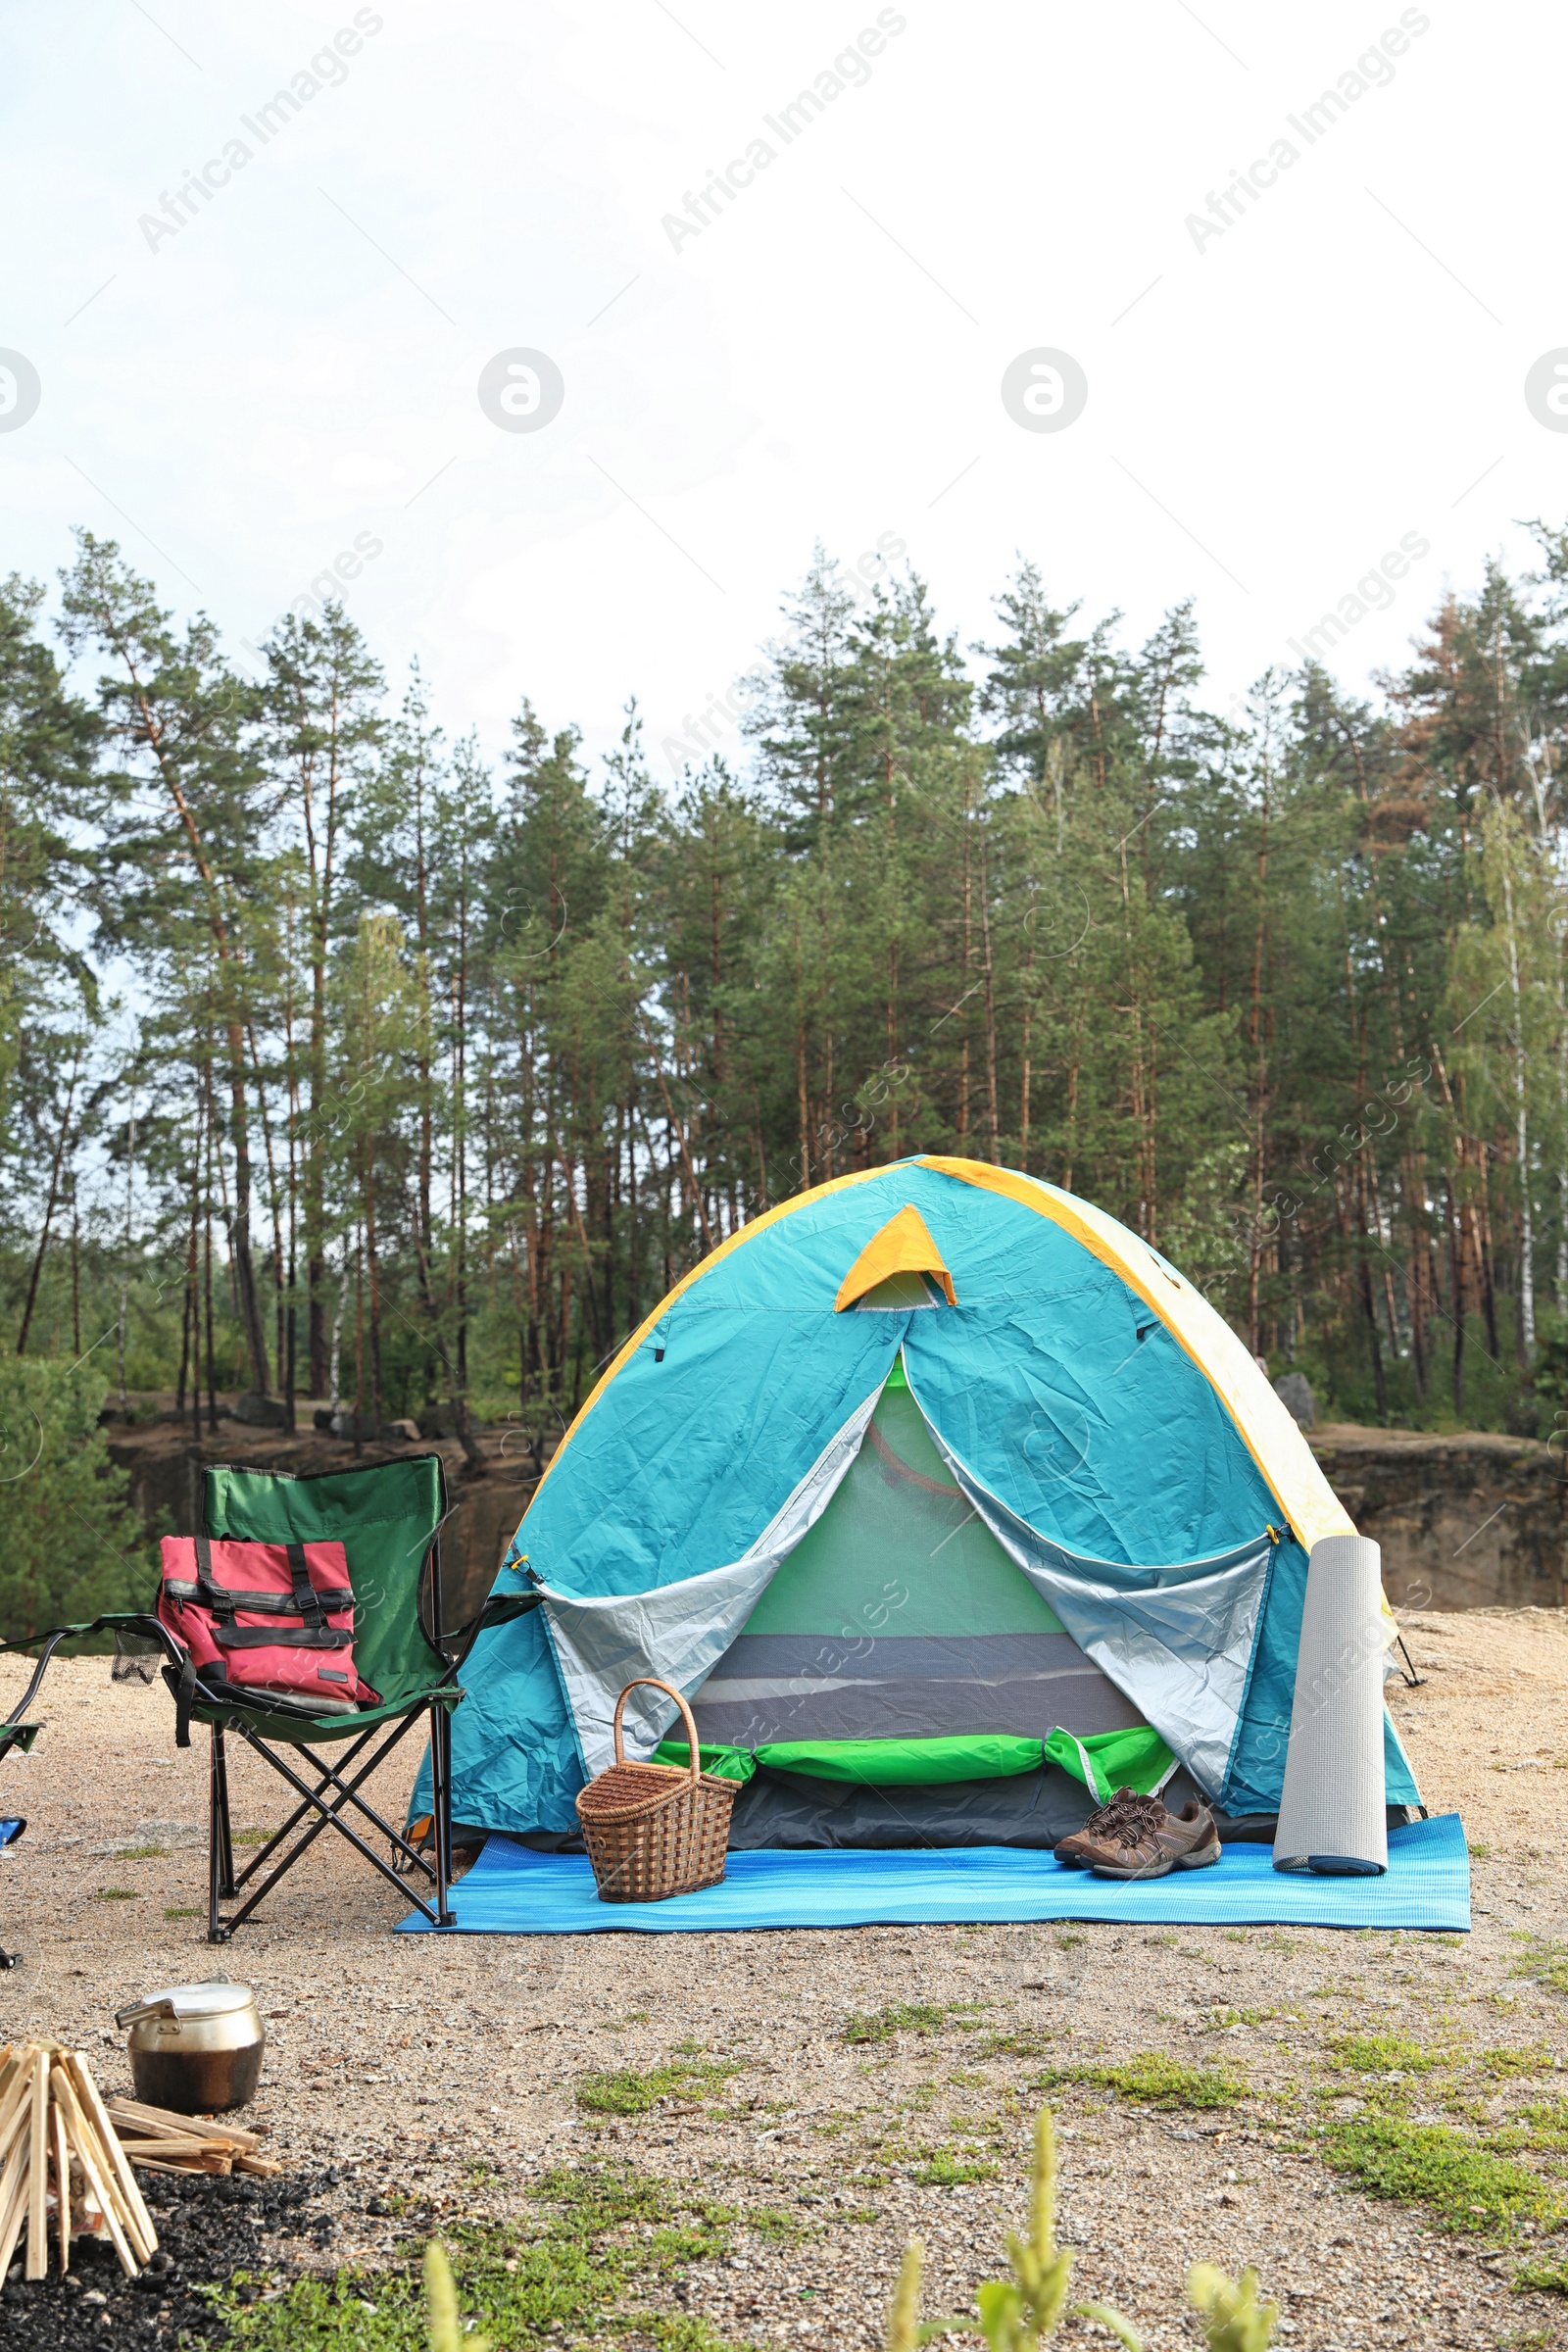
(686, 1716)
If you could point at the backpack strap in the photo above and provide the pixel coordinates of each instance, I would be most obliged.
(215, 1596)
(224, 1603)
(184, 1697)
(307, 1601)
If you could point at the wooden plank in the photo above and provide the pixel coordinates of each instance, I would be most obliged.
(11, 2101)
(62, 2184)
(37, 2173)
(164, 2118)
(100, 2179)
(138, 2124)
(13, 2208)
(13, 2174)
(88, 2091)
(210, 2160)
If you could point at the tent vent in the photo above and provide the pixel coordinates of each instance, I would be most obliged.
(897, 1260)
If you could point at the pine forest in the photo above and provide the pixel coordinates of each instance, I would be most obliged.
(345, 1060)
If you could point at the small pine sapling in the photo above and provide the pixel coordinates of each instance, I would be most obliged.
(1015, 2313)
(1237, 2321)
(904, 2332)
(441, 2305)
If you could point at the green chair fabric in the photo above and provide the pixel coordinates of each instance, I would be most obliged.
(385, 1515)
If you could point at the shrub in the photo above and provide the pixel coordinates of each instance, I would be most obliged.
(74, 1548)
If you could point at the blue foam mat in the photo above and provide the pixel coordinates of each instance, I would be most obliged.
(511, 1891)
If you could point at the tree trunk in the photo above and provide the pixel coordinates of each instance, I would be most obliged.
(49, 1209)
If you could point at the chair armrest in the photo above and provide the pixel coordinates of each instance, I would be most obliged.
(500, 1609)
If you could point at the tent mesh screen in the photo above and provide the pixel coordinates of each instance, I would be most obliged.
(899, 1616)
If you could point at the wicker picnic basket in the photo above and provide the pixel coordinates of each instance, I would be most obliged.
(651, 1829)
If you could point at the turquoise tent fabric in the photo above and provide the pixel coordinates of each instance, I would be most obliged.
(1050, 1383)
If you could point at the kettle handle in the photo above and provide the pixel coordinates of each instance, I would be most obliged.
(139, 2011)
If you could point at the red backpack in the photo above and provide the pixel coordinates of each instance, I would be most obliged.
(271, 1624)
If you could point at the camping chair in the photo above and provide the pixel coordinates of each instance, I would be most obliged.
(18, 1736)
(387, 1516)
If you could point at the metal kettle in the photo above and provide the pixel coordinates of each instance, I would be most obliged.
(196, 2048)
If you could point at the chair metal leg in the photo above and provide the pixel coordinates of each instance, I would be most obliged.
(441, 1811)
(327, 1817)
(324, 1815)
(333, 1777)
(220, 1839)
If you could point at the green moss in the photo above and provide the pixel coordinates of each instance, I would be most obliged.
(777, 2228)
(944, 2167)
(636, 2090)
(1023, 2044)
(1154, 2079)
(1465, 2184)
(1382, 2054)
(1547, 1963)
(1545, 2277)
(119, 1894)
(894, 2018)
(1534, 2059)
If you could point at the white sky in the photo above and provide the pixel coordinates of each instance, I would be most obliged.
(1344, 365)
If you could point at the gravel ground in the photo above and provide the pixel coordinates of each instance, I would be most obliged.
(429, 2070)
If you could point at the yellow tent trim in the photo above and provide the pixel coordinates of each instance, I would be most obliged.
(1272, 1438)
(902, 1247)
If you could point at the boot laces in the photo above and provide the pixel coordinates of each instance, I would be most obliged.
(1126, 1809)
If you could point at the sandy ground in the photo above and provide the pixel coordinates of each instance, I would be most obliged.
(407, 2061)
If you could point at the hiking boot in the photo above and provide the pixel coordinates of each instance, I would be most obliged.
(1125, 1811)
(1184, 1840)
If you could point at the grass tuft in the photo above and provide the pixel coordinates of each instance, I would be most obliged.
(892, 2019)
(944, 2168)
(1382, 2054)
(1545, 2277)
(1534, 2059)
(1547, 1963)
(1463, 2183)
(1154, 2079)
(637, 2090)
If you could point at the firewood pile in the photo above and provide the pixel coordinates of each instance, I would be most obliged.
(161, 2141)
(66, 2158)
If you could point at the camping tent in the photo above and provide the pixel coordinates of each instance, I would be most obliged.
(946, 1501)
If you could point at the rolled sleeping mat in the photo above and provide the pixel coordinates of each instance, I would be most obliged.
(1332, 1811)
